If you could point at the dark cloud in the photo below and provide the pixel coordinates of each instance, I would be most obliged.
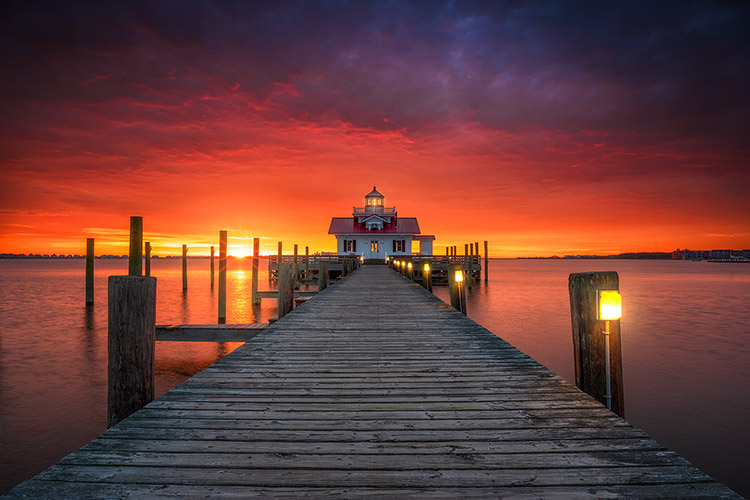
(663, 71)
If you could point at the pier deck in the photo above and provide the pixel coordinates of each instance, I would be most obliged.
(374, 388)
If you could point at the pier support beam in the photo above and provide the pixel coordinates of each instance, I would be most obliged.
(89, 271)
(132, 336)
(322, 275)
(589, 340)
(286, 289)
(147, 259)
(212, 266)
(486, 262)
(222, 277)
(184, 268)
(255, 299)
(135, 260)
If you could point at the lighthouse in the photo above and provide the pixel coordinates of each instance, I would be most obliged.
(376, 232)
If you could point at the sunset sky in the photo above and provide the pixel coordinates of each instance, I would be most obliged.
(546, 128)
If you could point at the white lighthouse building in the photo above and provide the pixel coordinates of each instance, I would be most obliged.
(376, 232)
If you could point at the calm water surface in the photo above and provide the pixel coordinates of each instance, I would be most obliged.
(686, 346)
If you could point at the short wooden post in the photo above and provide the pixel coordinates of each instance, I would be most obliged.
(286, 290)
(410, 270)
(222, 276)
(322, 275)
(344, 270)
(184, 268)
(147, 259)
(471, 265)
(255, 299)
(589, 341)
(307, 262)
(89, 271)
(131, 345)
(212, 266)
(486, 262)
(296, 269)
(135, 261)
(456, 287)
(427, 275)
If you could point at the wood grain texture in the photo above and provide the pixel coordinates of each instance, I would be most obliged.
(374, 388)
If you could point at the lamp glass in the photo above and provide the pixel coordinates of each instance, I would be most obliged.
(426, 267)
(408, 265)
(610, 305)
(459, 276)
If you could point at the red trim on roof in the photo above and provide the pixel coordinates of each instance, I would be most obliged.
(348, 225)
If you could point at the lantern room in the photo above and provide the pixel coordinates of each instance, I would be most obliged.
(374, 201)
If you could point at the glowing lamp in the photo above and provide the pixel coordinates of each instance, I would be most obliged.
(427, 268)
(459, 276)
(408, 265)
(610, 305)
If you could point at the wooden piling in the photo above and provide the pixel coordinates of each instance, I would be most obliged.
(256, 253)
(212, 267)
(589, 340)
(147, 259)
(131, 345)
(307, 262)
(296, 269)
(89, 271)
(471, 266)
(322, 275)
(486, 263)
(135, 261)
(286, 290)
(184, 268)
(457, 288)
(222, 277)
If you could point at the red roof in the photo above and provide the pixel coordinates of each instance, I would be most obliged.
(347, 225)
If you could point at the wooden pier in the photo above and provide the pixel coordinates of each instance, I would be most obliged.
(374, 388)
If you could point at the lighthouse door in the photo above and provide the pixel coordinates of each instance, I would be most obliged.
(374, 254)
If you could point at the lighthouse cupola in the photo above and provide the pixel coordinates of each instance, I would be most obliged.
(374, 201)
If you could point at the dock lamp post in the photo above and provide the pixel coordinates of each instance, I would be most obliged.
(458, 290)
(409, 271)
(427, 277)
(609, 307)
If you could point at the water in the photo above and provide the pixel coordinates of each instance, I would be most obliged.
(685, 332)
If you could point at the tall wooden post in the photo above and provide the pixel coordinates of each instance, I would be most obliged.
(286, 290)
(589, 340)
(427, 275)
(212, 266)
(147, 259)
(135, 261)
(256, 252)
(222, 276)
(471, 265)
(89, 271)
(131, 345)
(456, 287)
(184, 268)
(447, 253)
(486, 263)
(307, 262)
(322, 275)
(278, 261)
(296, 269)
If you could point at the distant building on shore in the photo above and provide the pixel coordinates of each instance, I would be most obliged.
(722, 255)
(375, 231)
